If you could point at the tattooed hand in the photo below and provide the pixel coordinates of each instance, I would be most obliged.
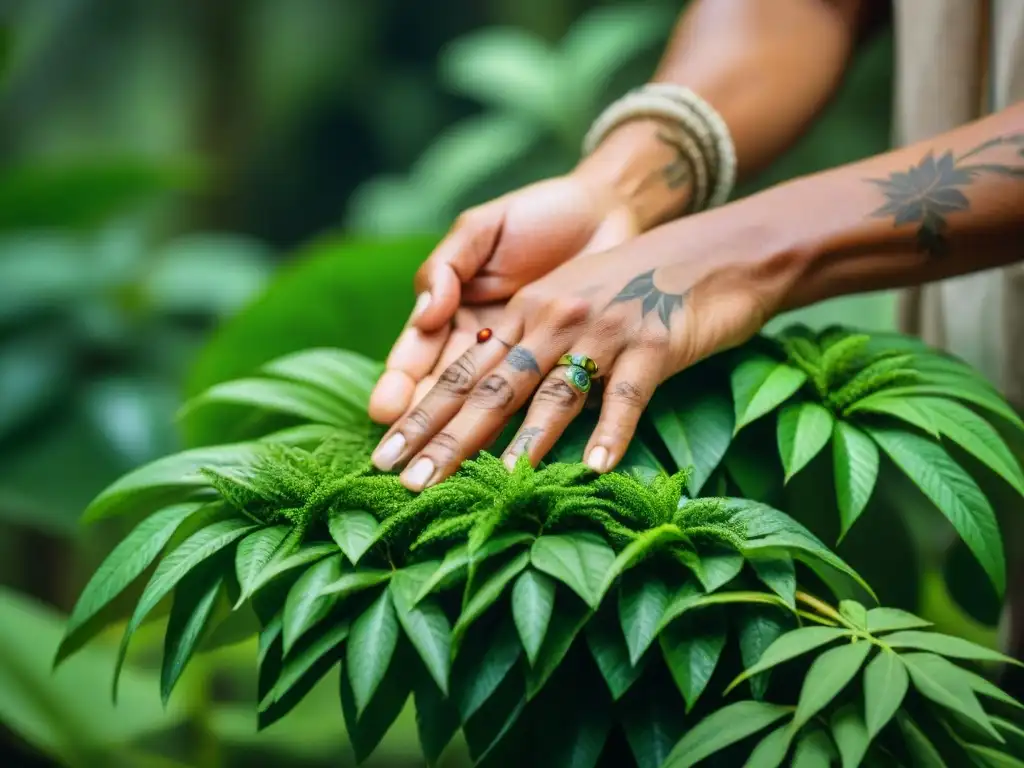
(642, 312)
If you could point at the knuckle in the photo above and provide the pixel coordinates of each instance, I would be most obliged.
(417, 421)
(626, 393)
(556, 391)
(445, 446)
(458, 377)
(492, 393)
(653, 339)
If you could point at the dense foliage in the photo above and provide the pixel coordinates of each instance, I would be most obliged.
(643, 618)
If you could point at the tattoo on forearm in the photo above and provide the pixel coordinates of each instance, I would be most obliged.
(679, 171)
(654, 300)
(522, 359)
(928, 192)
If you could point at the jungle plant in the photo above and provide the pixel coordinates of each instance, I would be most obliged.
(551, 615)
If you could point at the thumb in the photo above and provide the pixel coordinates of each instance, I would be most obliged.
(456, 260)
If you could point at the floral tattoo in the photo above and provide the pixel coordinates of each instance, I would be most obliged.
(654, 300)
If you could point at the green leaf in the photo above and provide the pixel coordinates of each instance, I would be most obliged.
(803, 430)
(370, 647)
(366, 725)
(814, 750)
(760, 384)
(645, 543)
(354, 531)
(642, 603)
(308, 662)
(579, 560)
(976, 436)
(533, 600)
(716, 566)
(424, 622)
(284, 397)
(946, 645)
(855, 463)
(173, 568)
(966, 390)
(885, 686)
(653, 720)
(890, 619)
(920, 748)
(987, 757)
(982, 686)
(906, 409)
(306, 604)
(936, 678)
(697, 429)
(483, 597)
(130, 558)
(690, 598)
(457, 561)
(437, 720)
(481, 666)
(772, 749)
(778, 573)
(345, 376)
(828, 676)
(789, 646)
(851, 735)
(759, 626)
(305, 555)
(692, 650)
(257, 550)
(855, 613)
(723, 728)
(608, 647)
(195, 600)
(565, 624)
(351, 582)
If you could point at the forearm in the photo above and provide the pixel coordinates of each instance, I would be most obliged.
(947, 206)
(767, 68)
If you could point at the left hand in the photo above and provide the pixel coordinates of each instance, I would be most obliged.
(642, 312)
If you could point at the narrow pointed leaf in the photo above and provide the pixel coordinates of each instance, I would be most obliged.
(850, 735)
(988, 757)
(286, 397)
(278, 566)
(316, 654)
(579, 560)
(306, 604)
(255, 552)
(608, 647)
(367, 724)
(759, 627)
(723, 728)
(892, 619)
(565, 625)
(195, 601)
(634, 552)
(778, 573)
(642, 603)
(855, 464)
(715, 567)
(692, 650)
(437, 719)
(946, 645)
(885, 686)
(827, 677)
(906, 409)
(803, 430)
(370, 646)
(760, 384)
(790, 646)
(771, 751)
(533, 600)
(488, 592)
(814, 750)
(481, 667)
(456, 562)
(697, 430)
(424, 622)
(922, 751)
(354, 531)
(345, 376)
(981, 396)
(936, 678)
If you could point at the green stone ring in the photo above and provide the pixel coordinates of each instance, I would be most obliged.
(578, 377)
(580, 361)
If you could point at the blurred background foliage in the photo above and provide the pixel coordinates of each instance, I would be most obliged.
(159, 163)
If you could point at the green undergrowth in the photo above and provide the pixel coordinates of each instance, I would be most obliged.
(557, 617)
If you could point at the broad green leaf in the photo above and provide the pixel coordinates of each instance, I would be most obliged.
(803, 430)
(645, 543)
(922, 751)
(936, 678)
(167, 480)
(195, 600)
(885, 686)
(642, 603)
(370, 647)
(891, 619)
(487, 593)
(437, 719)
(724, 728)
(760, 384)
(305, 555)
(983, 396)
(350, 582)
(285, 397)
(697, 430)
(353, 530)
(814, 750)
(580, 742)
(257, 550)
(759, 627)
(692, 650)
(533, 600)
(828, 675)
(855, 613)
(791, 645)
(306, 604)
(481, 666)
(173, 568)
(984, 687)
(988, 757)
(716, 566)
(130, 558)
(772, 749)
(566, 623)
(906, 409)
(366, 725)
(579, 560)
(318, 651)
(424, 622)
(345, 376)
(778, 573)
(976, 436)
(457, 561)
(608, 647)
(689, 598)
(850, 735)
(946, 645)
(855, 463)
(653, 720)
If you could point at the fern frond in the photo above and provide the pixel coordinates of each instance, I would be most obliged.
(878, 375)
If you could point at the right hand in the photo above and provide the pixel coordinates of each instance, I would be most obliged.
(491, 252)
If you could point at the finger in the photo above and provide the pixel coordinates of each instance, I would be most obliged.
(456, 260)
(493, 401)
(557, 402)
(411, 432)
(414, 355)
(636, 374)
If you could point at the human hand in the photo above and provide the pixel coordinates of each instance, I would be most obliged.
(641, 312)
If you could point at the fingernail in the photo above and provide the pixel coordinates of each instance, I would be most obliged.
(422, 302)
(510, 461)
(387, 453)
(419, 474)
(597, 459)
